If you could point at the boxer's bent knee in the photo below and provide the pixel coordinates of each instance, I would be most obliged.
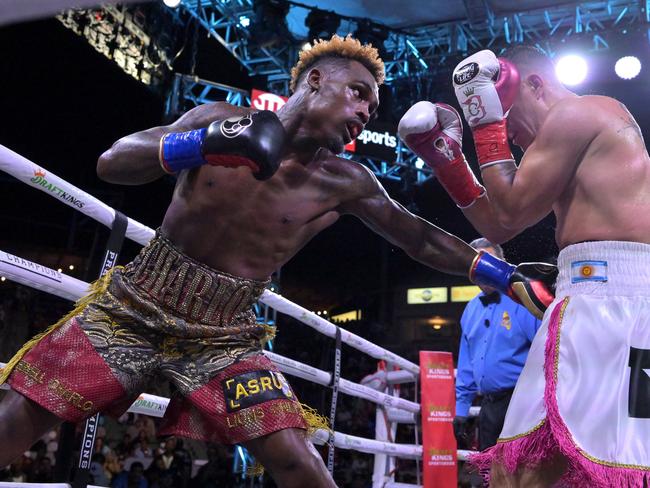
(24, 422)
(291, 460)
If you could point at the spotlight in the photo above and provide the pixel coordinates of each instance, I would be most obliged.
(71, 267)
(419, 163)
(2, 278)
(60, 270)
(306, 47)
(628, 67)
(172, 3)
(244, 21)
(322, 24)
(571, 70)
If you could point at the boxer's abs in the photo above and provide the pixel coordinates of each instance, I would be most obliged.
(243, 227)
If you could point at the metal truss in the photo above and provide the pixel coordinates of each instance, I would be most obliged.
(227, 22)
(189, 92)
(425, 50)
(125, 35)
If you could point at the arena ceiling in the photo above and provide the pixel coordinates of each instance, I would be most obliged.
(404, 14)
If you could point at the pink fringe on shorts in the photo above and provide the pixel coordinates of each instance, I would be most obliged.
(553, 438)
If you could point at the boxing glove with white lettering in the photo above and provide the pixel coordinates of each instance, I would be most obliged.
(486, 87)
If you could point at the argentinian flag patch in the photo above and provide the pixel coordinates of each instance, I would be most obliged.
(588, 271)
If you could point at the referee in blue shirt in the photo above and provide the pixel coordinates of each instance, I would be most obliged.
(496, 336)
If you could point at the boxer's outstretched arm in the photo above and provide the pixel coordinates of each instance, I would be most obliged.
(519, 197)
(528, 283)
(420, 239)
(134, 159)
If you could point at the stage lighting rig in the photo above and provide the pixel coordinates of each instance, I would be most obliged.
(269, 28)
(321, 24)
(373, 33)
(130, 36)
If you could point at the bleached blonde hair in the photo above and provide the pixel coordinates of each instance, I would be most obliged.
(342, 48)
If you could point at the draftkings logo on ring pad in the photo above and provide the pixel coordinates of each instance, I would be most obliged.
(39, 179)
(249, 389)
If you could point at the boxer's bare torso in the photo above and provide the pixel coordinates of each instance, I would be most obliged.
(228, 220)
(586, 162)
(608, 197)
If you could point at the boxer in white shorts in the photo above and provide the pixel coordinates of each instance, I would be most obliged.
(580, 414)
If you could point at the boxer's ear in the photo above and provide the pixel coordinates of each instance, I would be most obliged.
(314, 78)
(536, 84)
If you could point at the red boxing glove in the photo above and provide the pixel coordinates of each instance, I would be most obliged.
(486, 88)
(435, 133)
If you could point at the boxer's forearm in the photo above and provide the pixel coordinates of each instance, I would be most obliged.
(483, 217)
(418, 238)
(516, 201)
(440, 250)
(133, 160)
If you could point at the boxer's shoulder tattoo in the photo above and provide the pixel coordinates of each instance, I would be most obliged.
(629, 122)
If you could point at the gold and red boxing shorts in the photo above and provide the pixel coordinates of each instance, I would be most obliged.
(164, 315)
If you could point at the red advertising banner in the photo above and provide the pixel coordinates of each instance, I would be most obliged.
(439, 463)
(262, 100)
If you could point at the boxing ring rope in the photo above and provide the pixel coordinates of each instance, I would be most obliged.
(40, 277)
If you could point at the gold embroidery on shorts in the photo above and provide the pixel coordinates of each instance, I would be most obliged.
(556, 359)
(173, 290)
(245, 418)
(285, 407)
(30, 371)
(169, 348)
(518, 436)
(72, 397)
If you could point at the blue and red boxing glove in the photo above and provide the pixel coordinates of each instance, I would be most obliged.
(255, 140)
(531, 284)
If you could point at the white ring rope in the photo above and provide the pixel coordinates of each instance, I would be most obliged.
(304, 371)
(40, 277)
(369, 446)
(46, 279)
(153, 405)
(29, 173)
(325, 327)
(9, 484)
